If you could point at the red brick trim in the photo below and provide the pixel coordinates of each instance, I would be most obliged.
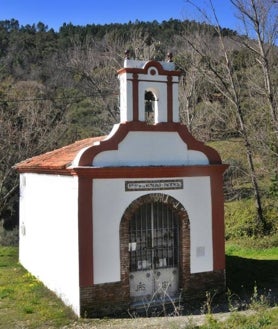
(112, 143)
(169, 99)
(148, 80)
(136, 172)
(85, 231)
(144, 70)
(135, 97)
(184, 235)
(151, 172)
(46, 170)
(218, 226)
(86, 175)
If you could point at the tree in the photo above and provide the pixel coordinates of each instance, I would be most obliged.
(30, 125)
(219, 71)
(92, 66)
(69, 79)
(260, 21)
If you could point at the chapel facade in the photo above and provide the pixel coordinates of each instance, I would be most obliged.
(111, 222)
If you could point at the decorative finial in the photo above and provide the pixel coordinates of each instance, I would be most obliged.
(170, 57)
(127, 53)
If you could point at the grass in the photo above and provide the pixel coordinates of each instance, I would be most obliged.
(26, 303)
(267, 319)
(234, 249)
(251, 266)
(252, 273)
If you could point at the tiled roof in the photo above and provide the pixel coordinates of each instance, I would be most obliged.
(57, 159)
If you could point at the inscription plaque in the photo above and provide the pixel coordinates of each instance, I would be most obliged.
(151, 185)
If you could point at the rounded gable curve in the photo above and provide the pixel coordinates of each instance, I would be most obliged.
(194, 144)
(112, 143)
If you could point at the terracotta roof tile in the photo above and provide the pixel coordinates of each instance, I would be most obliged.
(57, 159)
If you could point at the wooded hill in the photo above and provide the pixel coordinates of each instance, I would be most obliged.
(58, 87)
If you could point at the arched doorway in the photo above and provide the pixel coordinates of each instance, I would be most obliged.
(155, 264)
(154, 251)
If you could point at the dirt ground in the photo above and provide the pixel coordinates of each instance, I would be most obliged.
(179, 322)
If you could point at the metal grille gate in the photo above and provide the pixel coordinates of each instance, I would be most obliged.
(153, 252)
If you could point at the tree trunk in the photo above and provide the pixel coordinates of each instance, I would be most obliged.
(224, 78)
(260, 220)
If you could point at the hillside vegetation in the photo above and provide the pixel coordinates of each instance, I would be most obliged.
(57, 87)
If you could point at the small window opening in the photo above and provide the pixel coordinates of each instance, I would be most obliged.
(149, 107)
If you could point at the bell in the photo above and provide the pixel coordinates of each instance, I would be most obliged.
(149, 102)
(148, 106)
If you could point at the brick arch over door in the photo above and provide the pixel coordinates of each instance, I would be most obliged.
(184, 235)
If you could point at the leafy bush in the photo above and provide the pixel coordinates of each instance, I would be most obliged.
(273, 188)
(240, 218)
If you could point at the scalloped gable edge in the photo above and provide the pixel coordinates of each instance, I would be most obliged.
(86, 157)
(82, 152)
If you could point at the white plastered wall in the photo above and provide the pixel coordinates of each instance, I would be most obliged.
(49, 233)
(196, 199)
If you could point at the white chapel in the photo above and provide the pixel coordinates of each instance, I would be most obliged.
(110, 222)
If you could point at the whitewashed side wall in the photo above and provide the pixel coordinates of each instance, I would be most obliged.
(196, 199)
(49, 233)
(150, 149)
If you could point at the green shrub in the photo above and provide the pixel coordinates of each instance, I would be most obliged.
(240, 218)
(273, 188)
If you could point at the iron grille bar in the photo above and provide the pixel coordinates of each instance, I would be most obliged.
(154, 237)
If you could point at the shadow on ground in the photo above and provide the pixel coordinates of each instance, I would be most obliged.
(248, 280)
(244, 275)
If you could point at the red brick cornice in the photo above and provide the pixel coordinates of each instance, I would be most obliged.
(150, 172)
(134, 172)
(46, 170)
